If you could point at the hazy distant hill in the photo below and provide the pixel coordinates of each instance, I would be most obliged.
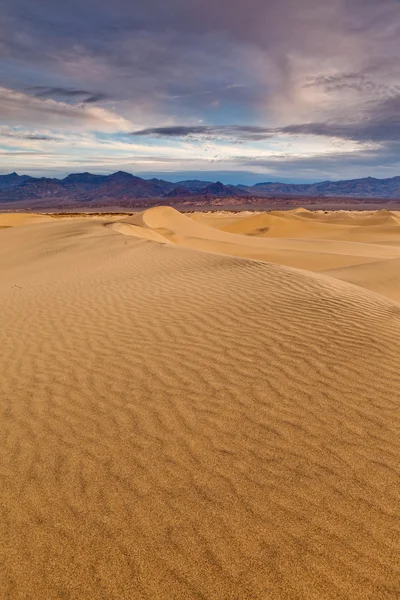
(369, 187)
(125, 189)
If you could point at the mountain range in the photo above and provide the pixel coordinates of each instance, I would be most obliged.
(124, 189)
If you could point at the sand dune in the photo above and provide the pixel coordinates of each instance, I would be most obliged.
(139, 232)
(289, 239)
(382, 276)
(184, 425)
(17, 219)
(280, 225)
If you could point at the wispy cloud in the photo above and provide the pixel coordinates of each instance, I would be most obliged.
(22, 109)
(29, 136)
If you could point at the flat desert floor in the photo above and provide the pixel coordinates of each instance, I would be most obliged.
(200, 407)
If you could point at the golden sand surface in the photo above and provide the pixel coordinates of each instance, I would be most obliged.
(200, 406)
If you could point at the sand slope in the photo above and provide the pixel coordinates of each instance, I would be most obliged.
(381, 276)
(17, 219)
(310, 241)
(179, 424)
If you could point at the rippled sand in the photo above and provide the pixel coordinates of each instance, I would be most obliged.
(186, 424)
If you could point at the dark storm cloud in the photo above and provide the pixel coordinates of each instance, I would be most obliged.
(177, 131)
(245, 132)
(41, 91)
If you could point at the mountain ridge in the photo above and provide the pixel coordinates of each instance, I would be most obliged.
(85, 188)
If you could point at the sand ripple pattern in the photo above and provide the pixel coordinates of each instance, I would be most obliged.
(184, 425)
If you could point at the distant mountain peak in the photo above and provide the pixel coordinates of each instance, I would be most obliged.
(83, 178)
(122, 174)
(12, 180)
(219, 189)
(124, 189)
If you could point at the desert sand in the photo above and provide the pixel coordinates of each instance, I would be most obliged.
(200, 406)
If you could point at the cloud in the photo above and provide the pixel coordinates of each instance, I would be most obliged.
(245, 132)
(261, 74)
(41, 91)
(29, 136)
(378, 122)
(382, 163)
(22, 109)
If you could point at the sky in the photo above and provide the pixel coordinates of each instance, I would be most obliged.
(236, 90)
